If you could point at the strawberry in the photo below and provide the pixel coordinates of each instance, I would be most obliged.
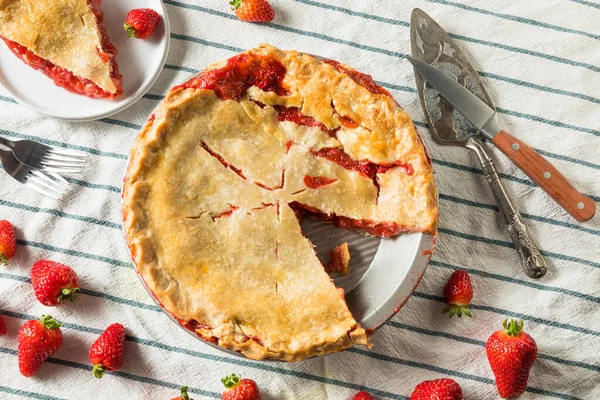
(363, 396)
(239, 389)
(3, 327)
(107, 351)
(253, 10)
(53, 282)
(511, 353)
(458, 293)
(439, 389)
(37, 340)
(141, 22)
(183, 395)
(8, 242)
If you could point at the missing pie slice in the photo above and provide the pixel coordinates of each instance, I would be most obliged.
(229, 162)
(66, 40)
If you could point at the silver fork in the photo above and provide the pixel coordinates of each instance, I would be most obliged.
(45, 158)
(51, 184)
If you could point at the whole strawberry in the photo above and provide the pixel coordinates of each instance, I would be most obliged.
(438, 389)
(53, 282)
(3, 328)
(239, 389)
(8, 242)
(107, 351)
(37, 340)
(458, 293)
(141, 22)
(253, 10)
(363, 396)
(511, 353)
(183, 395)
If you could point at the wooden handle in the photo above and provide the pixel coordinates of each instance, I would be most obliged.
(547, 176)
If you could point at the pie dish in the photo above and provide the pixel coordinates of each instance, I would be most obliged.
(223, 170)
(66, 40)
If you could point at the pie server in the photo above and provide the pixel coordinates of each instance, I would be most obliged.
(432, 45)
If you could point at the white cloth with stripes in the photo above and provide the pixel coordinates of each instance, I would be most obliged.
(542, 63)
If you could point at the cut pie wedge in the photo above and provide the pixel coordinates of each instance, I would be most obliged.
(226, 165)
(66, 40)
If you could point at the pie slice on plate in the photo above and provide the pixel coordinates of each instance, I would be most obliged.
(66, 40)
(225, 167)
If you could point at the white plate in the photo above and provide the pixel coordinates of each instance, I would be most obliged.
(140, 63)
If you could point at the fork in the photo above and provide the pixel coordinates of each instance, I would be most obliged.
(50, 184)
(45, 158)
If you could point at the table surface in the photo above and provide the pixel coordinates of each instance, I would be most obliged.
(541, 60)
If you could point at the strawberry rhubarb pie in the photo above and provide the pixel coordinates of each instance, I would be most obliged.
(66, 40)
(225, 167)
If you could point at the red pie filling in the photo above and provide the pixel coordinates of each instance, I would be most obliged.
(240, 73)
(364, 167)
(364, 80)
(381, 229)
(294, 114)
(67, 79)
(314, 182)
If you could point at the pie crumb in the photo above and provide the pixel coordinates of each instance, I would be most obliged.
(339, 260)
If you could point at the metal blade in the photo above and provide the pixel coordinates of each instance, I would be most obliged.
(431, 44)
(475, 110)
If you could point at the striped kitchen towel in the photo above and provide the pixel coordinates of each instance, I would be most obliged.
(541, 60)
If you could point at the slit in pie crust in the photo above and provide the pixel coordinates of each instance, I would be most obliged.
(222, 170)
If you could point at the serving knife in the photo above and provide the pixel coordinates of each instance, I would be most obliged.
(430, 43)
(431, 46)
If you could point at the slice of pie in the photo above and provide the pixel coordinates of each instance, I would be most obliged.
(227, 164)
(66, 40)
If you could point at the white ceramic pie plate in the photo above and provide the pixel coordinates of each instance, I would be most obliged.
(140, 63)
(383, 272)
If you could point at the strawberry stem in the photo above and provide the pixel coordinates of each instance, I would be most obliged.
(235, 4)
(512, 328)
(184, 393)
(3, 259)
(453, 309)
(68, 294)
(131, 31)
(231, 381)
(98, 371)
(49, 322)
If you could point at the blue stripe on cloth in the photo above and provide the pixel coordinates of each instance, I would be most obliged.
(126, 375)
(390, 323)
(8, 99)
(31, 395)
(117, 122)
(540, 87)
(74, 253)
(587, 3)
(509, 313)
(516, 19)
(60, 214)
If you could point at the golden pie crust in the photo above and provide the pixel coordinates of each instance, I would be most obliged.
(64, 32)
(210, 195)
